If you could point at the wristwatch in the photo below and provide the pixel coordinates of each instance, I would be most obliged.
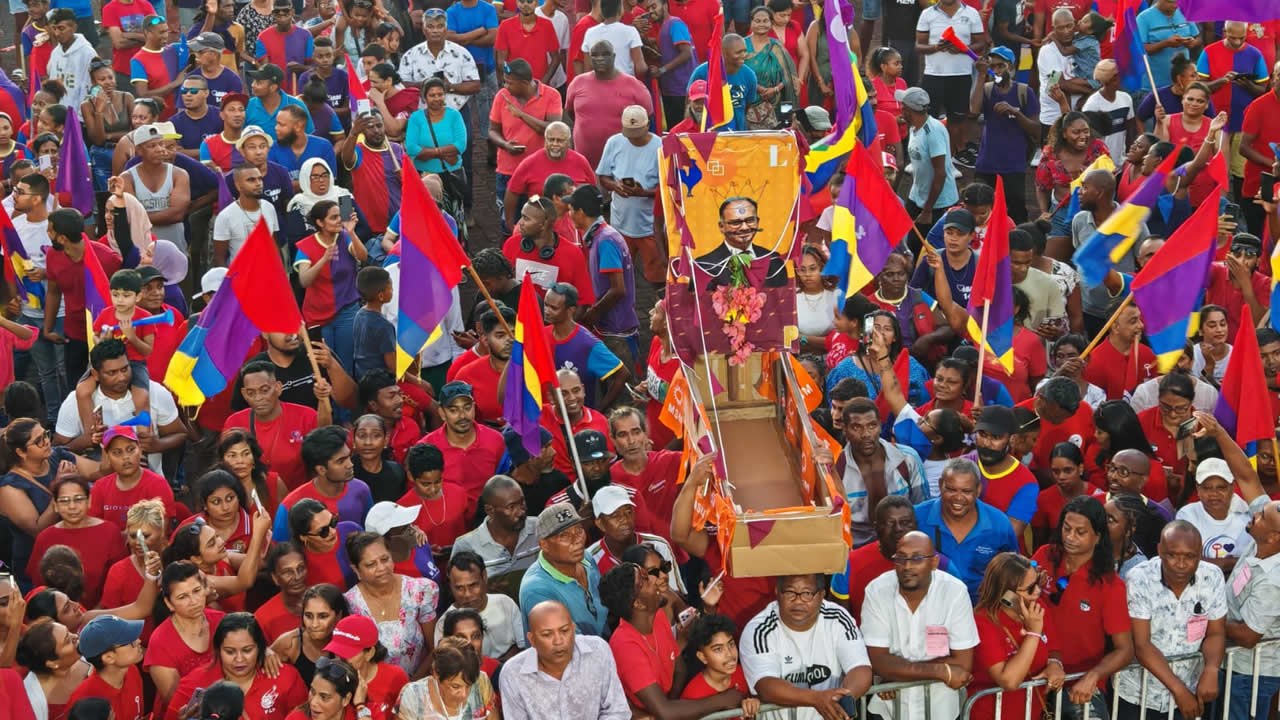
(363, 711)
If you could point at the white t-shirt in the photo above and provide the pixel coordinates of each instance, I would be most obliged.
(503, 625)
(35, 238)
(1222, 538)
(162, 407)
(1120, 110)
(621, 36)
(1198, 363)
(560, 22)
(234, 224)
(944, 614)
(966, 23)
(815, 314)
(815, 659)
(1049, 60)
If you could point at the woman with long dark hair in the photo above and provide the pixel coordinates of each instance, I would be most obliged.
(864, 368)
(1072, 147)
(200, 543)
(322, 607)
(239, 651)
(332, 692)
(1070, 480)
(1116, 427)
(1018, 640)
(1087, 596)
(48, 650)
(241, 454)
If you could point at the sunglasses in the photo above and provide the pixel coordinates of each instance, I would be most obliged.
(191, 91)
(663, 568)
(323, 532)
(333, 670)
(433, 13)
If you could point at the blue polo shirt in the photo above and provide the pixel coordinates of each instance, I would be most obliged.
(316, 148)
(993, 534)
(1154, 26)
(256, 114)
(543, 582)
(743, 92)
(462, 19)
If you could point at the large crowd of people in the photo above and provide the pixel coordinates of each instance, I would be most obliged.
(331, 539)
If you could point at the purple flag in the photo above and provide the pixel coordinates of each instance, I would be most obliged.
(224, 193)
(842, 80)
(74, 176)
(1251, 11)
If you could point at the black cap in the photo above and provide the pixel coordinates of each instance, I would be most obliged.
(997, 420)
(591, 444)
(1245, 239)
(515, 444)
(960, 219)
(454, 390)
(282, 5)
(269, 72)
(149, 273)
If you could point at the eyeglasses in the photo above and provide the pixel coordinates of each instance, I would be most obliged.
(1168, 409)
(663, 568)
(1121, 471)
(801, 595)
(191, 91)
(41, 441)
(72, 499)
(323, 532)
(742, 222)
(332, 670)
(901, 560)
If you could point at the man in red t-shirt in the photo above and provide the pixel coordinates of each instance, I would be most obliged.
(471, 451)
(64, 270)
(536, 249)
(581, 418)
(651, 472)
(122, 19)
(530, 37)
(283, 612)
(278, 426)
(1064, 417)
(112, 646)
(700, 16)
(1261, 128)
(894, 517)
(1113, 365)
(555, 157)
(1236, 282)
(129, 482)
(577, 61)
(485, 373)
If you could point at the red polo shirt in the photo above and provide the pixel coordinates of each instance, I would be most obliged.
(1076, 430)
(1091, 611)
(656, 482)
(1166, 449)
(543, 105)
(865, 564)
(472, 466)
(532, 46)
(281, 439)
(484, 381)
(274, 619)
(590, 420)
(1114, 372)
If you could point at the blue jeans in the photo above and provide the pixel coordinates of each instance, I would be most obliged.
(500, 183)
(50, 361)
(1242, 693)
(339, 335)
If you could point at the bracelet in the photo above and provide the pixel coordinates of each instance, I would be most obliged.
(948, 667)
(1056, 660)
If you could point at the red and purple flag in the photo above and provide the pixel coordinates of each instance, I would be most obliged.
(1244, 403)
(16, 264)
(531, 368)
(719, 110)
(1250, 11)
(74, 176)
(993, 287)
(355, 89)
(1127, 47)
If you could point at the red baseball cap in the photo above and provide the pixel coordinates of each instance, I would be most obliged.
(698, 90)
(352, 635)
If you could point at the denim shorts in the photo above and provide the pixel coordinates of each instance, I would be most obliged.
(739, 11)
(872, 10)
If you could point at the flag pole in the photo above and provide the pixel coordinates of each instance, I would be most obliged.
(489, 298)
(573, 447)
(305, 339)
(1110, 321)
(982, 354)
(1146, 61)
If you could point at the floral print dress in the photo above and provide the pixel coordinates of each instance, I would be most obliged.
(403, 636)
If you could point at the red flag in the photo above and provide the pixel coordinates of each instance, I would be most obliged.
(1244, 405)
(1217, 170)
(719, 104)
(354, 87)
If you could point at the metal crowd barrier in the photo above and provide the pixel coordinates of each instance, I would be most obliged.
(776, 712)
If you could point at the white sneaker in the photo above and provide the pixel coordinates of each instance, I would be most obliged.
(1035, 160)
(955, 173)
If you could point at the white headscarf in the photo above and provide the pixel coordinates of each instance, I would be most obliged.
(304, 200)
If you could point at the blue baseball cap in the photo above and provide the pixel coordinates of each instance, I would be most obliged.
(106, 632)
(454, 390)
(1002, 52)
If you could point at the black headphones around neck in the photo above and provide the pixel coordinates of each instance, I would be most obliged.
(546, 253)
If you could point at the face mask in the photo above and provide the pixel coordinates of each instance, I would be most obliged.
(999, 79)
(991, 457)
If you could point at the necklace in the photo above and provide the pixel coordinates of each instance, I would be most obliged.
(894, 303)
(813, 305)
(444, 501)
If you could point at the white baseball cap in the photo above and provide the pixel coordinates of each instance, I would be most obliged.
(386, 516)
(1214, 467)
(609, 498)
(211, 281)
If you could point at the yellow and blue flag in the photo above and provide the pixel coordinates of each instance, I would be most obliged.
(850, 94)
(1117, 234)
(531, 367)
(867, 224)
(993, 287)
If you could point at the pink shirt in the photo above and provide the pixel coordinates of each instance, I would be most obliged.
(597, 107)
(8, 344)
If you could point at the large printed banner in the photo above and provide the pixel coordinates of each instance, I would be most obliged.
(730, 201)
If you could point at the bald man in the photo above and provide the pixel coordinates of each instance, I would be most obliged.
(928, 634)
(1127, 474)
(561, 674)
(1196, 592)
(1097, 203)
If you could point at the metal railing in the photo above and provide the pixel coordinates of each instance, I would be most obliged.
(773, 712)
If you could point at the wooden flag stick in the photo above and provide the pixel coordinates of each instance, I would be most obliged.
(1151, 79)
(982, 354)
(489, 298)
(925, 247)
(1110, 321)
(305, 339)
(581, 480)
(1266, 318)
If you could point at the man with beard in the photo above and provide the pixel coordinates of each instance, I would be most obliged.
(232, 226)
(578, 348)
(895, 516)
(555, 156)
(563, 572)
(1127, 474)
(505, 539)
(1195, 590)
(651, 472)
(1007, 484)
(279, 426)
(293, 370)
(472, 451)
(562, 657)
(381, 395)
(1097, 203)
(697, 105)
(1236, 282)
(805, 651)
(327, 459)
(374, 163)
(873, 468)
(580, 418)
(294, 146)
(484, 374)
(730, 262)
(966, 530)
(615, 514)
(537, 475)
(219, 151)
(287, 566)
(919, 626)
(277, 185)
(469, 583)
(596, 457)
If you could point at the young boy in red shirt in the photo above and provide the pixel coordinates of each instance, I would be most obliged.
(117, 322)
(111, 646)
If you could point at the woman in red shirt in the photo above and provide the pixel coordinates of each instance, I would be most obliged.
(98, 542)
(221, 503)
(239, 651)
(1066, 464)
(355, 640)
(197, 542)
(323, 606)
(392, 99)
(48, 651)
(1190, 128)
(1016, 639)
(242, 455)
(182, 643)
(1116, 427)
(332, 695)
(1130, 176)
(660, 371)
(126, 578)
